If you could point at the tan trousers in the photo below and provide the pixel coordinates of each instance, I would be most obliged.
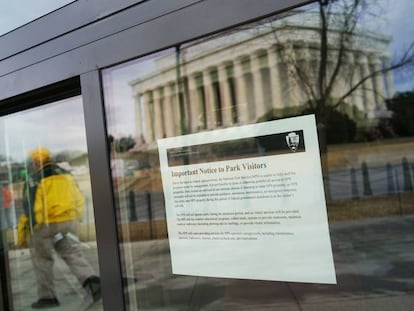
(44, 241)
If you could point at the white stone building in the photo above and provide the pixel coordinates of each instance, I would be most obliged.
(262, 70)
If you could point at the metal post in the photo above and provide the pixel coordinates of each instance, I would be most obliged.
(390, 179)
(366, 181)
(399, 192)
(149, 206)
(354, 187)
(132, 208)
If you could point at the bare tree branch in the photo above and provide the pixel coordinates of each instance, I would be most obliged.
(344, 41)
(323, 52)
(338, 29)
(301, 74)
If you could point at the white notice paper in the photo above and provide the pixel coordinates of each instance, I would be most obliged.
(248, 202)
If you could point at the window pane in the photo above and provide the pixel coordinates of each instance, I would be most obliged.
(48, 213)
(347, 63)
(13, 16)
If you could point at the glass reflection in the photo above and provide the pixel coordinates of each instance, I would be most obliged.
(12, 16)
(339, 61)
(49, 223)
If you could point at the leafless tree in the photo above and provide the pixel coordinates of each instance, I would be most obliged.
(337, 33)
(340, 24)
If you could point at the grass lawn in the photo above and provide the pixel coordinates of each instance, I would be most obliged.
(371, 207)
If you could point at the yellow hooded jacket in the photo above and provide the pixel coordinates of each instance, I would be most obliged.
(55, 197)
(52, 197)
(58, 199)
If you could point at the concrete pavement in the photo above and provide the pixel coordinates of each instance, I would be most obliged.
(374, 262)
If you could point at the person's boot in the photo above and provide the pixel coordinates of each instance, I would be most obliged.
(93, 286)
(44, 303)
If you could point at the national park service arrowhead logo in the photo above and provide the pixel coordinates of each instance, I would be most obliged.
(292, 140)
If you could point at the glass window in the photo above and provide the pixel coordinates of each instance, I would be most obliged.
(13, 16)
(47, 210)
(348, 65)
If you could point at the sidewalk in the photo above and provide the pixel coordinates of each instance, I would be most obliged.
(69, 292)
(374, 261)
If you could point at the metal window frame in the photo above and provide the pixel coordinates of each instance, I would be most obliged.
(64, 20)
(43, 57)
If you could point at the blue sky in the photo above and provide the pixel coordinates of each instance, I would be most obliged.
(400, 25)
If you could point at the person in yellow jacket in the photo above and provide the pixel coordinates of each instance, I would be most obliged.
(53, 207)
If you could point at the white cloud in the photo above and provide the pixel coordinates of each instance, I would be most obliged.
(57, 126)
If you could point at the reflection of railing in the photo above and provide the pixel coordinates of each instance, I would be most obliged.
(371, 181)
(143, 212)
(145, 206)
(145, 218)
